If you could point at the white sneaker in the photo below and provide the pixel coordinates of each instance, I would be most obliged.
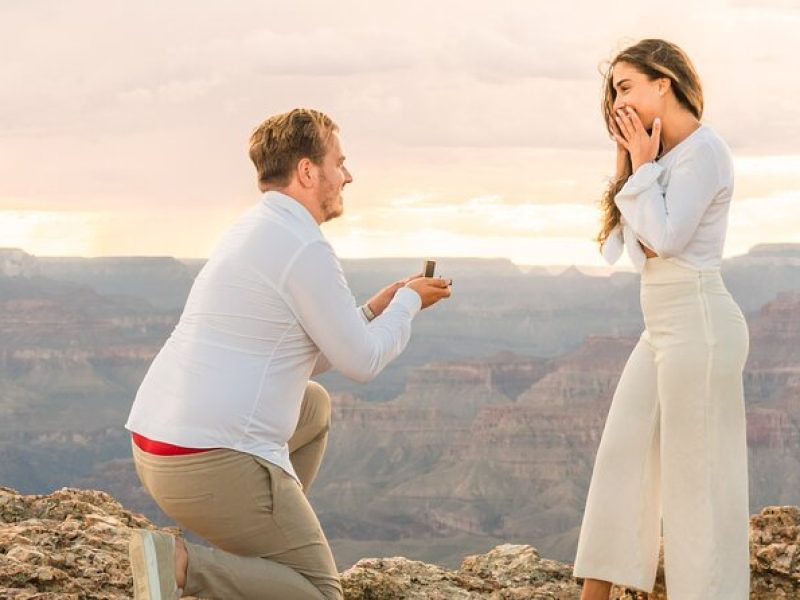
(152, 556)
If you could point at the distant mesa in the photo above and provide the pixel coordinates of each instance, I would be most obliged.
(15, 262)
(775, 250)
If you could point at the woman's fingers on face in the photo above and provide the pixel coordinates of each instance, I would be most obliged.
(633, 116)
(623, 124)
(627, 117)
(614, 128)
(617, 134)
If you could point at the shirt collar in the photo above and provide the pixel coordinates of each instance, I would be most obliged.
(274, 198)
(683, 142)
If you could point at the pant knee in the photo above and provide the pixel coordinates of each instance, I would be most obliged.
(319, 402)
(332, 592)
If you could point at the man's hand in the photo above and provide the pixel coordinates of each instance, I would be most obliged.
(378, 303)
(430, 289)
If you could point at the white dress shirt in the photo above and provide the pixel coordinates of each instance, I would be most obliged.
(270, 308)
(677, 205)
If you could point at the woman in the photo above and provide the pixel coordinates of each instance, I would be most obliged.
(674, 448)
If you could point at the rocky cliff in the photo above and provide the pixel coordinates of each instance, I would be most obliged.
(73, 544)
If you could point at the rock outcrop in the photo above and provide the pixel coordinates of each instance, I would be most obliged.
(69, 544)
(73, 544)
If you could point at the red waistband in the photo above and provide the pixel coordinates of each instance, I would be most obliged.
(163, 448)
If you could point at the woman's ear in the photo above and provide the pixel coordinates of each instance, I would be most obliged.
(664, 85)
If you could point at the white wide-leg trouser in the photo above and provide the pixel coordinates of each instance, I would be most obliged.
(674, 448)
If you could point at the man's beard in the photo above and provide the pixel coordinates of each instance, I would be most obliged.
(331, 203)
(331, 208)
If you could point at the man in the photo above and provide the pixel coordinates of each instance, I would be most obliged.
(228, 431)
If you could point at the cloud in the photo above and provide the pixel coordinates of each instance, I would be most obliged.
(767, 4)
(769, 218)
(483, 216)
(113, 105)
(326, 52)
(55, 234)
(451, 74)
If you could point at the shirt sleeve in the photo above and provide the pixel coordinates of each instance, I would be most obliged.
(323, 364)
(315, 288)
(613, 245)
(665, 219)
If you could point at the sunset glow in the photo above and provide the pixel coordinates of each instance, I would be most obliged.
(479, 136)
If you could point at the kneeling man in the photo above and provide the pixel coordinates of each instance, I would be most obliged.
(228, 431)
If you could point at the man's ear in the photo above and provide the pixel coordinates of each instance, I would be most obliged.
(305, 172)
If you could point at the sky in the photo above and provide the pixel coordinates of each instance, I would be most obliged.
(471, 128)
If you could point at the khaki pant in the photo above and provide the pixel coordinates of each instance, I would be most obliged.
(674, 449)
(268, 543)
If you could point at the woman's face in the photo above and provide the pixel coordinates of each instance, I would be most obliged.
(635, 90)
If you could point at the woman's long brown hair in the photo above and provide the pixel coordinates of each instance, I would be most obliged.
(655, 59)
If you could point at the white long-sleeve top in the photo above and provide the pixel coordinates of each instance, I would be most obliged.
(270, 304)
(677, 205)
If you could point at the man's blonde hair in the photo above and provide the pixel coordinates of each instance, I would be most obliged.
(282, 140)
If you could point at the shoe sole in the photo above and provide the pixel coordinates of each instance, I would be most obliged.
(144, 564)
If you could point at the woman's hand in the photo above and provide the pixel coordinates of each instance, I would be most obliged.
(622, 160)
(633, 137)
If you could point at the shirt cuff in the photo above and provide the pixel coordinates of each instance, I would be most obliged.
(363, 314)
(408, 299)
(613, 245)
(645, 176)
(635, 252)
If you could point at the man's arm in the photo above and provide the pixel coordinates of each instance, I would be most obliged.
(317, 292)
(371, 309)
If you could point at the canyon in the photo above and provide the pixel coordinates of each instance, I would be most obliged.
(482, 433)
